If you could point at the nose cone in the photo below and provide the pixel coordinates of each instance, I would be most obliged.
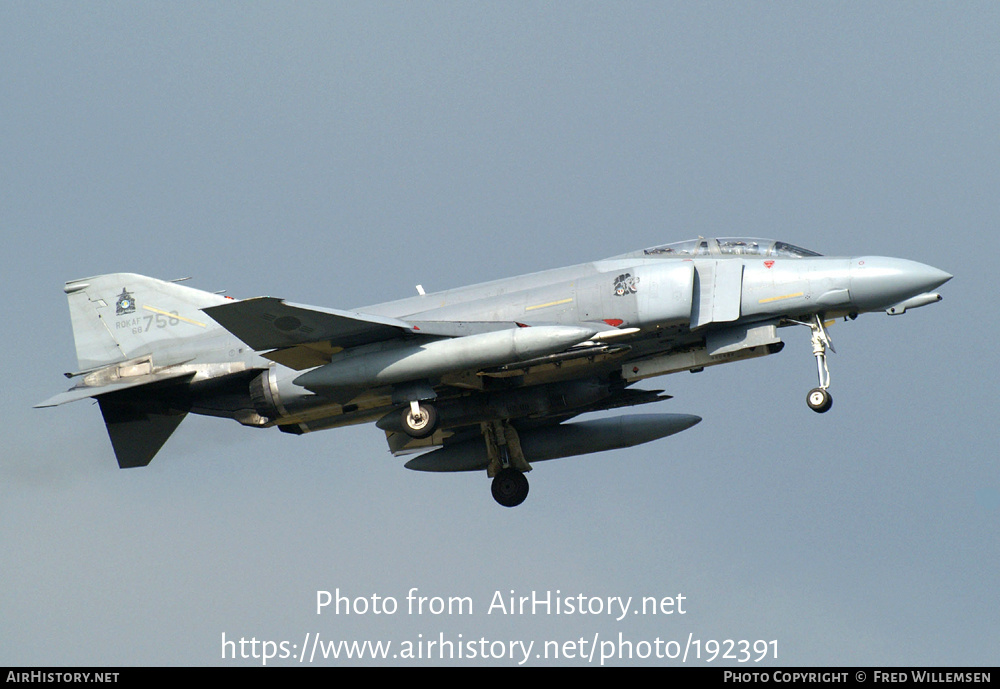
(878, 282)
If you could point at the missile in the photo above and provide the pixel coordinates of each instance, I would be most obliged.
(385, 364)
(563, 440)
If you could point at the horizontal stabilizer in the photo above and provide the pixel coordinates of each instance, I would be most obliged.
(137, 434)
(82, 392)
(270, 323)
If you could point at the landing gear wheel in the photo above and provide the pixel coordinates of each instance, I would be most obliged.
(819, 400)
(510, 487)
(419, 422)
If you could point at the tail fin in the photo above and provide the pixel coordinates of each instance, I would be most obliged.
(123, 316)
(131, 331)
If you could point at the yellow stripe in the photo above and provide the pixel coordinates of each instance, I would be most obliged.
(551, 303)
(786, 296)
(174, 315)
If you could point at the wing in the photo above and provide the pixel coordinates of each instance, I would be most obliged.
(270, 323)
(302, 337)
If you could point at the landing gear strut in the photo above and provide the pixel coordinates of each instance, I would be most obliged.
(507, 463)
(819, 398)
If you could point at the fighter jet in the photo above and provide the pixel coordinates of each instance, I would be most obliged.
(479, 378)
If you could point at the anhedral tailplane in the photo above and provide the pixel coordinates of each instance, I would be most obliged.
(137, 433)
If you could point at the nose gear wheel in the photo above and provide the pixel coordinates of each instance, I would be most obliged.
(819, 400)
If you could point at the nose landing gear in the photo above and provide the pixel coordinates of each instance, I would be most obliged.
(819, 398)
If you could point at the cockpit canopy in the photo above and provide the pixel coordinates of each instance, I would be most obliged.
(729, 246)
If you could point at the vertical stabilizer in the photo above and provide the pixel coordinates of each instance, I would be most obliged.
(122, 316)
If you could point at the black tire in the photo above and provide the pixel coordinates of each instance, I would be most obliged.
(819, 400)
(423, 427)
(510, 487)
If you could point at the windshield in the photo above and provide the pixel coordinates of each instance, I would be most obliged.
(783, 249)
(730, 246)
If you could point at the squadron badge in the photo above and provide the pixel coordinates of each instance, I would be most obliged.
(625, 284)
(125, 303)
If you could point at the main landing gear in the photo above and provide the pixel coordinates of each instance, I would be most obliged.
(507, 463)
(510, 487)
(819, 398)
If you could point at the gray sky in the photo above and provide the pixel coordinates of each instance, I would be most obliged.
(339, 154)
